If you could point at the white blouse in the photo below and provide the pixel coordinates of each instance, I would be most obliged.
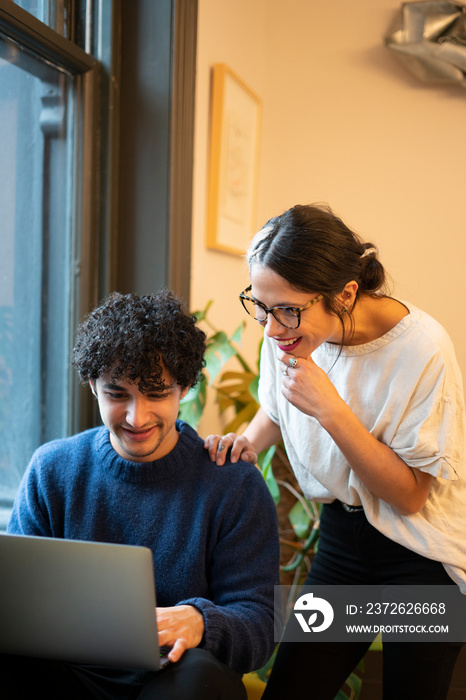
(406, 389)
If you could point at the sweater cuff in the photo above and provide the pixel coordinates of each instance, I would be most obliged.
(214, 621)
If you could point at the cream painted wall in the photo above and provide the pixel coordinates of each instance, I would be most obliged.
(231, 32)
(343, 122)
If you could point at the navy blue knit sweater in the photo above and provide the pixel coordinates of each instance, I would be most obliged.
(212, 530)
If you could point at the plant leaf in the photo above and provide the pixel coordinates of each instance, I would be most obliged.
(341, 696)
(201, 315)
(192, 405)
(264, 672)
(299, 520)
(245, 415)
(238, 334)
(254, 388)
(219, 351)
(355, 683)
(264, 461)
(230, 375)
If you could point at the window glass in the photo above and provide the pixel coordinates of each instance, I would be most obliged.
(36, 276)
(56, 14)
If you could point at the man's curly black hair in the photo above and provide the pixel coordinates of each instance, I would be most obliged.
(129, 336)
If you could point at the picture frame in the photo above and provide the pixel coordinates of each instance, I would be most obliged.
(234, 162)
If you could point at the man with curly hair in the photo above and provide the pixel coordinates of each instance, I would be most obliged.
(144, 478)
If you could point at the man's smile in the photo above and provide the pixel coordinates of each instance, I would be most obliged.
(139, 435)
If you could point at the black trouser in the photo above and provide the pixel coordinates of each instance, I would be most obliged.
(351, 551)
(197, 676)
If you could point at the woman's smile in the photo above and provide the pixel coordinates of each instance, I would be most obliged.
(289, 344)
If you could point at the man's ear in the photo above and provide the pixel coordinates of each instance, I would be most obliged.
(92, 385)
(184, 392)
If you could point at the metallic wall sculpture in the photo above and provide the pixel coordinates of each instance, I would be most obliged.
(430, 39)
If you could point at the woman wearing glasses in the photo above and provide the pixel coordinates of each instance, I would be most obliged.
(366, 394)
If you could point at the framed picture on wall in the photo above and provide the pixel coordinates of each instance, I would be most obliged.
(234, 156)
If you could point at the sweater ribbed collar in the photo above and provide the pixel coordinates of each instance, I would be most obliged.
(175, 462)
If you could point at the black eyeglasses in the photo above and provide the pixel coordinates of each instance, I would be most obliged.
(288, 316)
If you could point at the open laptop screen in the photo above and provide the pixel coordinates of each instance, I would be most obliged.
(84, 602)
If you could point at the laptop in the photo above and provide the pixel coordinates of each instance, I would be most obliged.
(83, 602)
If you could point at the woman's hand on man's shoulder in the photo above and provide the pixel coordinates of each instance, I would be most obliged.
(219, 445)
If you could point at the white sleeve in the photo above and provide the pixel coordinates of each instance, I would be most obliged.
(431, 436)
(268, 380)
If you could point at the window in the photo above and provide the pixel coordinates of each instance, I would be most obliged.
(56, 14)
(95, 191)
(46, 193)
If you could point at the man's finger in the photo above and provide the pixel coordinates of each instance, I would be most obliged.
(177, 651)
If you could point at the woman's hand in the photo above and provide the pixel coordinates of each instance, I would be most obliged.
(383, 472)
(241, 448)
(307, 387)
